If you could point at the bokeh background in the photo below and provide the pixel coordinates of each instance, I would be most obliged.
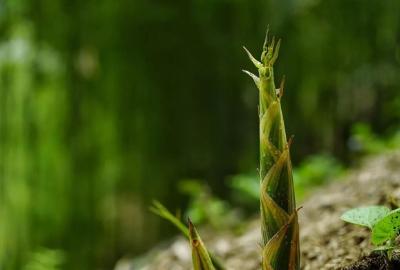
(106, 105)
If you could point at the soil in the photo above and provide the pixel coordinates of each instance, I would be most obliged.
(375, 261)
(327, 243)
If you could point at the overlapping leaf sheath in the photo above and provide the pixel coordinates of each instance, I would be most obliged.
(280, 229)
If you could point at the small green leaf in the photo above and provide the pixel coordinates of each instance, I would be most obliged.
(387, 228)
(365, 216)
(160, 210)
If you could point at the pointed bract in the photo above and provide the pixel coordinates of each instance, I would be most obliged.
(266, 39)
(160, 210)
(200, 257)
(252, 59)
(276, 52)
(254, 77)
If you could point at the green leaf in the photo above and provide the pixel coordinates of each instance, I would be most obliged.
(365, 216)
(387, 228)
(160, 210)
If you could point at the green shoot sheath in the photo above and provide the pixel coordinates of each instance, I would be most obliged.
(279, 223)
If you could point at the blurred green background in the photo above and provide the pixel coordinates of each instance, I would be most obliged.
(106, 105)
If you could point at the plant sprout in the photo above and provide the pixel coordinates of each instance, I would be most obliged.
(279, 224)
(200, 257)
(199, 251)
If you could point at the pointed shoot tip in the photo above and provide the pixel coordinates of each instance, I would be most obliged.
(266, 38)
(192, 230)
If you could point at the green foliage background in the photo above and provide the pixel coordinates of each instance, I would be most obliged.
(105, 105)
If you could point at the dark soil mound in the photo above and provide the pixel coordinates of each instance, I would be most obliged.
(375, 261)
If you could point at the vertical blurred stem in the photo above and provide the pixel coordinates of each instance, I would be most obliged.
(15, 149)
(279, 223)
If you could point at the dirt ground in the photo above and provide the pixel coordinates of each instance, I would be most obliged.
(326, 241)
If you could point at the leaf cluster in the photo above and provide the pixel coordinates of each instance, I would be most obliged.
(383, 223)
